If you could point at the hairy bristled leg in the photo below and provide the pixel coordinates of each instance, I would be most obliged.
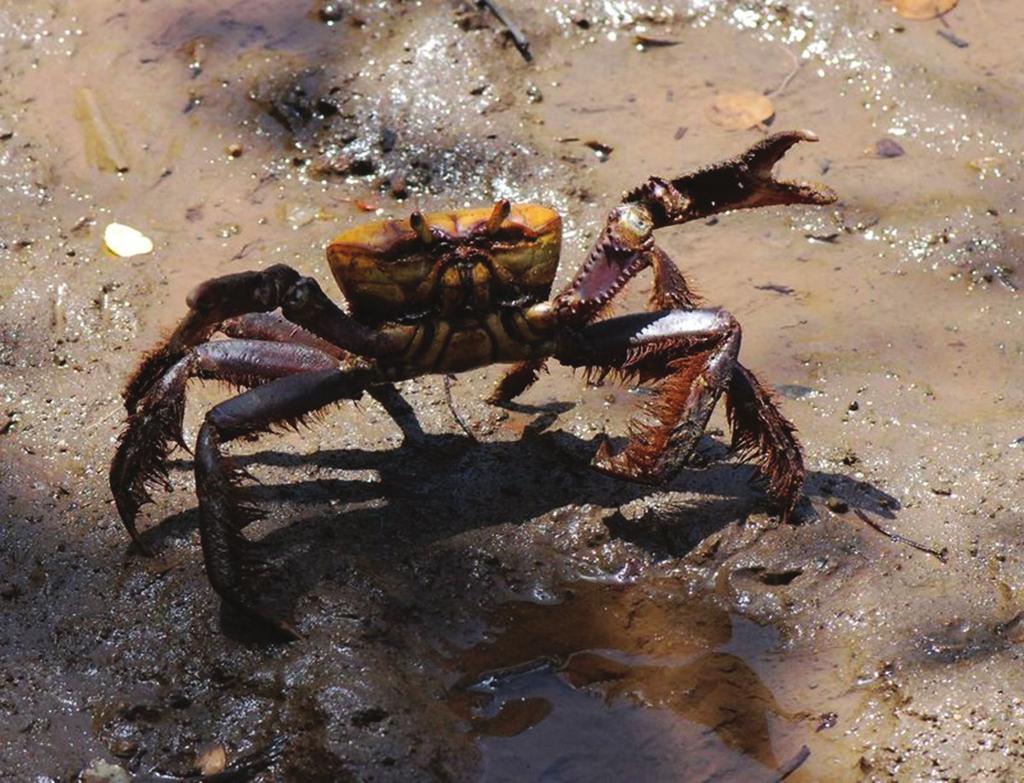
(759, 430)
(154, 427)
(233, 563)
(316, 335)
(275, 327)
(689, 357)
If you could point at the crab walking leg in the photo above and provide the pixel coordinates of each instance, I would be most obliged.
(275, 327)
(232, 562)
(230, 296)
(515, 381)
(759, 430)
(210, 303)
(670, 291)
(155, 425)
(761, 433)
(691, 356)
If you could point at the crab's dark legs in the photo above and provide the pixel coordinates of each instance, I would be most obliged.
(222, 298)
(670, 291)
(690, 355)
(759, 430)
(275, 327)
(209, 304)
(155, 425)
(232, 562)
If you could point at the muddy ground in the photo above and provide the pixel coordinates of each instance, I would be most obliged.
(494, 609)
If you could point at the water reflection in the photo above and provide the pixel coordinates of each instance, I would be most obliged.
(628, 686)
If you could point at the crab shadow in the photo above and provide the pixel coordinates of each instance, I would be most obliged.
(434, 487)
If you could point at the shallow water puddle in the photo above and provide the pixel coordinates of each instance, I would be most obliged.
(615, 684)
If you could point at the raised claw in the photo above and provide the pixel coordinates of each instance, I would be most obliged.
(742, 182)
(761, 158)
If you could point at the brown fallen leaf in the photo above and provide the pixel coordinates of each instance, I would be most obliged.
(103, 148)
(922, 9)
(740, 110)
(603, 151)
(212, 760)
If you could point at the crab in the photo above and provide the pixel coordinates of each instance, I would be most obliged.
(446, 293)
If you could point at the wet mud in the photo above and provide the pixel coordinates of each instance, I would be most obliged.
(490, 608)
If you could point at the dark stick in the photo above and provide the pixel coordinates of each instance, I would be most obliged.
(514, 32)
(793, 764)
(938, 555)
(463, 425)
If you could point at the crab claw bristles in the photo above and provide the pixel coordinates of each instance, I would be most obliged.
(419, 225)
(498, 215)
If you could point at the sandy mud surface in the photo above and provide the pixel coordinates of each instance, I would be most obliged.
(493, 609)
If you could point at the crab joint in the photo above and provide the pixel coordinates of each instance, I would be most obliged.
(419, 225)
(541, 317)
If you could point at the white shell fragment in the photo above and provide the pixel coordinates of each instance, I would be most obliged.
(125, 241)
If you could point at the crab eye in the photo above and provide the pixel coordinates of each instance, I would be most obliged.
(419, 225)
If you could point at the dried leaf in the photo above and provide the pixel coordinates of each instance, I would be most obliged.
(922, 9)
(212, 760)
(740, 110)
(603, 151)
(102, 145)
(125, 241)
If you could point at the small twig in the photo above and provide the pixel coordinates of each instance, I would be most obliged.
(793, 764)
(463, 425)
(797, 65)
(514, 32)
(941, 556)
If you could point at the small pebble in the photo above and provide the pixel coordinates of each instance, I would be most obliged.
(888, 148)
(123, 748)
(836, 505)
(399, 187)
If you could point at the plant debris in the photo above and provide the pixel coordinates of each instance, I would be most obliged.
(741, 110)
(520, 41)
(603, 151)
(953, 38)
(102, 146)
(923, 9)
(643, 42)
(942, 555)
